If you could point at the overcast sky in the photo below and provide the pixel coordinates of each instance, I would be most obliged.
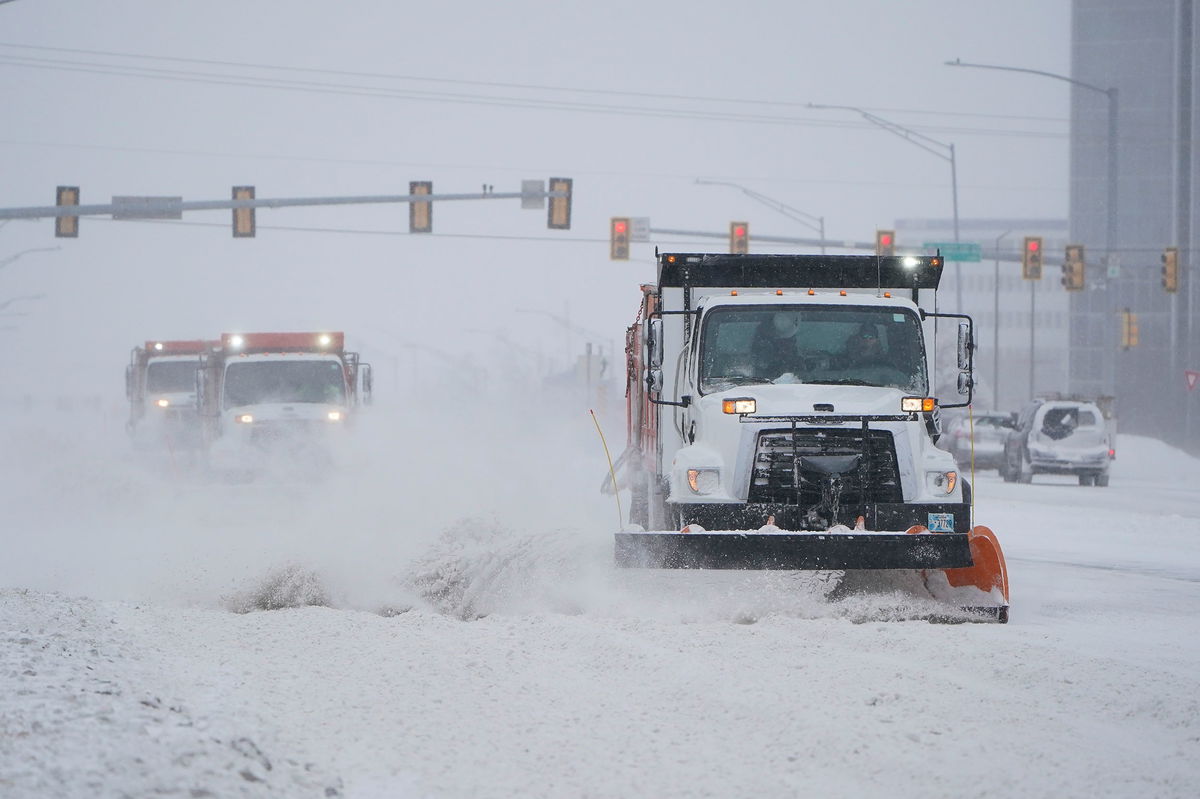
(634, 100)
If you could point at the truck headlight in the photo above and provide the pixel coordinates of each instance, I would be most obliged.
(335, 416)
(740, 405)
(162, 403)
(917, 404)
(942, 482)
(244, 418)
(704, 481)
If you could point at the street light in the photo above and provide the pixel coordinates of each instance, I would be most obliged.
(1110, 235)
(11, 300)
(928, 145)
(787, 210)
(10, 259)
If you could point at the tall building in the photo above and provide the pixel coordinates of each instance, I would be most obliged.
(1134, 109)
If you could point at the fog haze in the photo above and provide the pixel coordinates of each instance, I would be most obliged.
(453, 116)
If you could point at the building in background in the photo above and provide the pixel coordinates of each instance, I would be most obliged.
(1146, 52)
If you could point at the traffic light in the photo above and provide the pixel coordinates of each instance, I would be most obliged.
(885, 242)
(1073, 266)
(66, 227)
(559, 215)
(739, 238)
(243, 218)
(420, 212)
(1129, 329)
(1031, 258)
(1170, 269)
(618, 239)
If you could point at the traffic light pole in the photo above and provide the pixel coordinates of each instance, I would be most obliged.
(172, 207)
(996, 326)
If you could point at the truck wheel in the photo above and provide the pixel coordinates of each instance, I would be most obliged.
(1101, 480)
(1024, 470)
(1087, 479)
(639, 504)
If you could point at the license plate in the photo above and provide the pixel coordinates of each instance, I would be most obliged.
(941, 523)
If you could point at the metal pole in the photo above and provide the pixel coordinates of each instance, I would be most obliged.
(996, 327)
(1112, 252)
(1032, 328)
(958, 292)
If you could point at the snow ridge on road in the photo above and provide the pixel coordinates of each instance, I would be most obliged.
(91, 710)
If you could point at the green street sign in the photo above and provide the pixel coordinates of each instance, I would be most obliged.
(956, 250)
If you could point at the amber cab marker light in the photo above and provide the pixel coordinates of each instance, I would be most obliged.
(741, 405)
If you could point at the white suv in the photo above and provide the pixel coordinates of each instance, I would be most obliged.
(1059, 437)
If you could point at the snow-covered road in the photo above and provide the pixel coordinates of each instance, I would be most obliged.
(506, 661)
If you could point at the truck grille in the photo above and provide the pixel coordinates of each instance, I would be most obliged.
(282, 431)
(773, 479)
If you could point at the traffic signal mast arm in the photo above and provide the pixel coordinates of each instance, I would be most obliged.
(140, 207)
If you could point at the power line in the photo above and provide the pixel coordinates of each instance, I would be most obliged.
(689, 177)
(529, 103)
(498, 84)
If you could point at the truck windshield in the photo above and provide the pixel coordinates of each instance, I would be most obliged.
(254, 382)
(856, 345)
(171, 377)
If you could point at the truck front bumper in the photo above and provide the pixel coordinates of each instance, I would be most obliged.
(792, 551)
(946, 517)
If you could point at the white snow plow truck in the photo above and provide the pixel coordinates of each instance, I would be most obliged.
(160, 383)
(780, 416)
(277, 395)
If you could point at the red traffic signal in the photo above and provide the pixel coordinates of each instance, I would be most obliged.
(739, 238)
(1031, 258)
(885, 242)
(618, 239)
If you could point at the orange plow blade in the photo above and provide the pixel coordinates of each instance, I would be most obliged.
(971, 587)
(988, 570)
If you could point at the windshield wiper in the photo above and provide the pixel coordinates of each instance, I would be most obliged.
(840, 381)
(736, 380)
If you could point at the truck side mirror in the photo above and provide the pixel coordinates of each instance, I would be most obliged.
(368, 382)
(654, 379)
(655, 343)
(201, 384)
(129, 382)
(964, 383)
(964, 347)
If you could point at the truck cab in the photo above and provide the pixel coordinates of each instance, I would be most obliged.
(160, 384)
(264, 394)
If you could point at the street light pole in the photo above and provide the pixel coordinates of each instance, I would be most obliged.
(927, 144)
(1110, 234)
(792, 213)
(996, 326)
